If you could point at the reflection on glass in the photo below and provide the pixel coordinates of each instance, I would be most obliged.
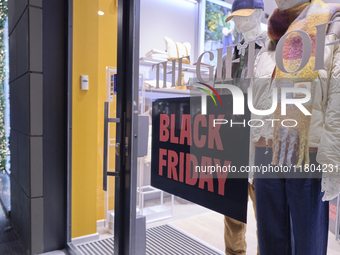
(218, 33)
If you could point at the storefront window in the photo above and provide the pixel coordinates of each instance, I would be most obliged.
(192, 57)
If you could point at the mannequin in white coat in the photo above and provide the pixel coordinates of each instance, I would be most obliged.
(330, 186)
(283, 227)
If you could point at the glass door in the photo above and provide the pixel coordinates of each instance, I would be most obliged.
(168, 40)
(145, 104)
(175, 206)
(134, 64)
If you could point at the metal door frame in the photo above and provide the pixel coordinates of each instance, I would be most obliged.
(127, 112)
(127, 129)
(70, 249)
(69, 116)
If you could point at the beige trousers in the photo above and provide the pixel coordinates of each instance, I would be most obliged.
(235, 231)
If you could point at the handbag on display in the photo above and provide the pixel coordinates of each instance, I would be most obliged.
(177, 50)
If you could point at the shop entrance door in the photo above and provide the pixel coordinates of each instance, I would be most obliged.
(103, 124)
(137, 91)
(111, 145)
(121, 87)
(153, 77)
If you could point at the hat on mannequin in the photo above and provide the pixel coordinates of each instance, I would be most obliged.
(245, 8)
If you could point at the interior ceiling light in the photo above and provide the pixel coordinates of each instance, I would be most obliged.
(192, 1)
(100, 13)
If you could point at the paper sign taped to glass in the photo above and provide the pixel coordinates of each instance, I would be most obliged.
(198, 160)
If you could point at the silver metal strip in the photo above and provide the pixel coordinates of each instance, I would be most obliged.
(69, 121)
(134, 131)
(71, 249)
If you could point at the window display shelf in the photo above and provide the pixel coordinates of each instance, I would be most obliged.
(159, 93)
(185, 67)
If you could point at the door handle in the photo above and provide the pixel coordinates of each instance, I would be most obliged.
(126, 146)
(105, 149)
(117, 149)
(107, 121)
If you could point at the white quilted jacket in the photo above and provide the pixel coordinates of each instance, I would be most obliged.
(325, 124)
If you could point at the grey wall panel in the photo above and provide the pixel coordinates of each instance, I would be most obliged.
(37, 222)
(36, 3)
(36, 166)
(27, 216)
(23, 162)
(26, 95)
(35, 39)
(55, 123)
(36, 104)
(26, 104)
(20, 213)
(38, 140)
(20, 104)
(22, 46)
(15, 10)
(26, 39)
(13, 55)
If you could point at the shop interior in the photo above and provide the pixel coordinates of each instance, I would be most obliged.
(168, 29)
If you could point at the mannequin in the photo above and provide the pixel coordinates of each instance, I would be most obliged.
(285, 5)
(249, 26)
(315, 144)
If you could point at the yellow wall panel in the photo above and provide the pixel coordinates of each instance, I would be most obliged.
(107, 56)
(85, 114)
(94, 48)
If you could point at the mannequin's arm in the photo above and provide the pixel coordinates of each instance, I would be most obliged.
(329, 147)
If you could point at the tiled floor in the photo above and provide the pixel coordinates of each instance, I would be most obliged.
(9, 238)
(207, 226)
